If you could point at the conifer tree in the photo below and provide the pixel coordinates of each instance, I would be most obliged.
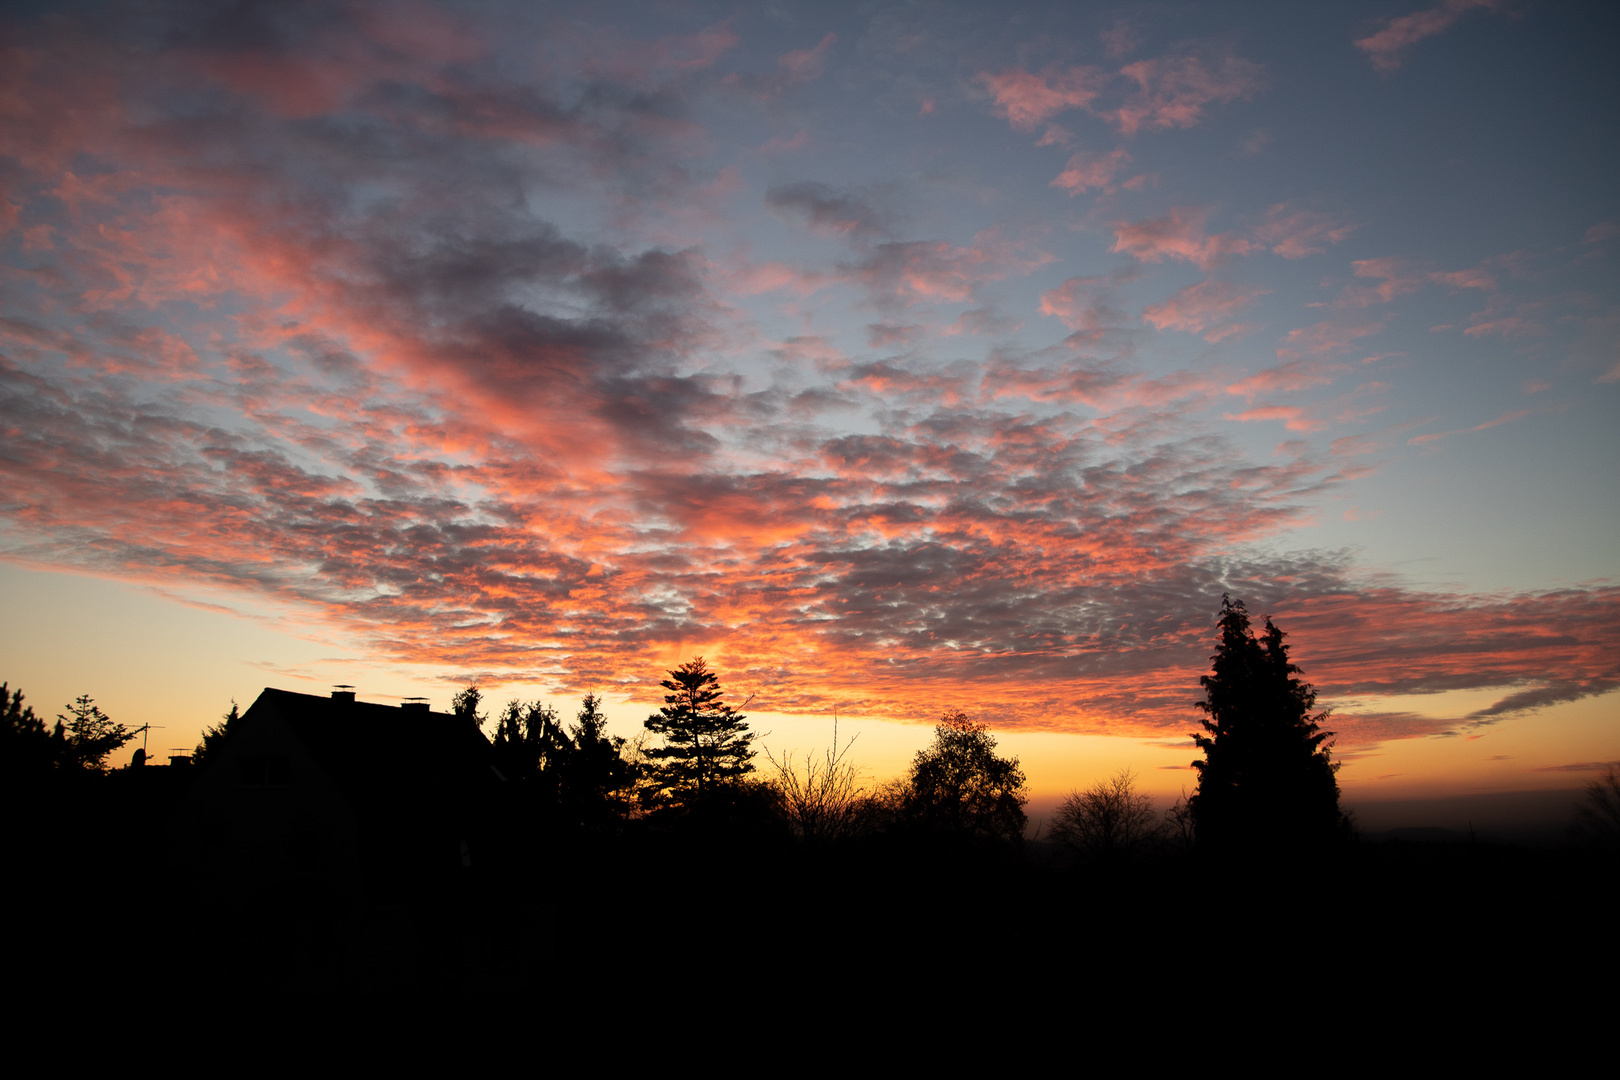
(706, 742)
(1267, 776)
(214, 737)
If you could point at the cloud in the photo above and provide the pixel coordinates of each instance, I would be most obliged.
(1294, 417)
(1395, 277)
(1384, 48)
(1173, 91)
(1287, 230)
(884, 335)
(982, 320)
(803, 65)
(1477, 278)
(1120, 39)
(1505, 418)
(1027, 98)
(1178, 236)
(399, 353)
(826, 210)
(1085, 305)
(1208, 305)
(1325, 338)
(1603, 230)
(913, 271)
(1288, 378)
(1579, 766)
(1294, 233)
(792, 68)
(1506, 317)
(1090, 170)
(1163, 92)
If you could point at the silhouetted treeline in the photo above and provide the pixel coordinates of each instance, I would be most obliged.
(361, 847)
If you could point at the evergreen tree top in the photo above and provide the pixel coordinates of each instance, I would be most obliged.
(706, 741)
(1267, 771)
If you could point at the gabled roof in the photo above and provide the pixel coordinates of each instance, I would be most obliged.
(375, 753)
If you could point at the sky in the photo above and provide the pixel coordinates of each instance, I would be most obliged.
(899, 359)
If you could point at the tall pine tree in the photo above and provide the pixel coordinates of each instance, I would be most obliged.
(1267, 777)
(706, 742)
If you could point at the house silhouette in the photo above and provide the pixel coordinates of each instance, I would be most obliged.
(339, 801)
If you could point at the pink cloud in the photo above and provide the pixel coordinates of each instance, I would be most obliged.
(608, 53)
(1504, 317)
(1179, 236)
(782, 144)
(803, 65)
(1324, 338)
(1293, 417)
(1512, 326)
(1120, 39)
(1384, 48)
(1507, 417)
(1027, 98)
(888, 380)
(1295, 233)
(1285, 378)
(910, 271)
(1084, 305)
(1097, 387)
(1172, 91)
(1087, 170)
(752, 279)
(1394, 275)
(1603, 230)
(798, 66)
(1201, 306)
(1477, 278)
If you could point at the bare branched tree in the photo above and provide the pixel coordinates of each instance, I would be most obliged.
(1597, 816)
(821, 798)
(1110, 820)
(1179, 828)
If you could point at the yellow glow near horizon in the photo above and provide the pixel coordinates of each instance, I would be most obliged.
(146, 658)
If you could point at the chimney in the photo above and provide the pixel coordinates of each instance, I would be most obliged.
(414, 704)
(343, 692)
